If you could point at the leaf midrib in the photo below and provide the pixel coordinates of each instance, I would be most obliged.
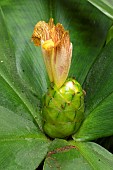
(23, 137)
(26, 103)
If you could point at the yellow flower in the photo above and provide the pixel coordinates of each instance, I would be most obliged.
(56, 49)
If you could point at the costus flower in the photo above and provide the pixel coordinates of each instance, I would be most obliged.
(63, 104)
(56, 48)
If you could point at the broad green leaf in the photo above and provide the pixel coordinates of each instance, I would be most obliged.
(104, 5)
(14, 93)
(98, 157)
(65, 157)
(22, 145)
(77, 155)
(99, 98)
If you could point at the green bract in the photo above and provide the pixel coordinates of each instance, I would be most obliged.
(63, 109)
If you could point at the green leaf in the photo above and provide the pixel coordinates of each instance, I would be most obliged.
(65, 157)
(77, 155)
(110, 34)
(99, 98)
(97, 157)
(104, 5)
(13, 89)
(22, 145)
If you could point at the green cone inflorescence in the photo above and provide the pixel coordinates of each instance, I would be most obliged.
(63, 109)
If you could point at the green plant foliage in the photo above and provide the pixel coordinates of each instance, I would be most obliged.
(20, 141)
(97, 157)
(104, 5)
(13, 89)
(110, 34)
(99, 99)
(23, 81)
(79, 155)
(63, 156)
